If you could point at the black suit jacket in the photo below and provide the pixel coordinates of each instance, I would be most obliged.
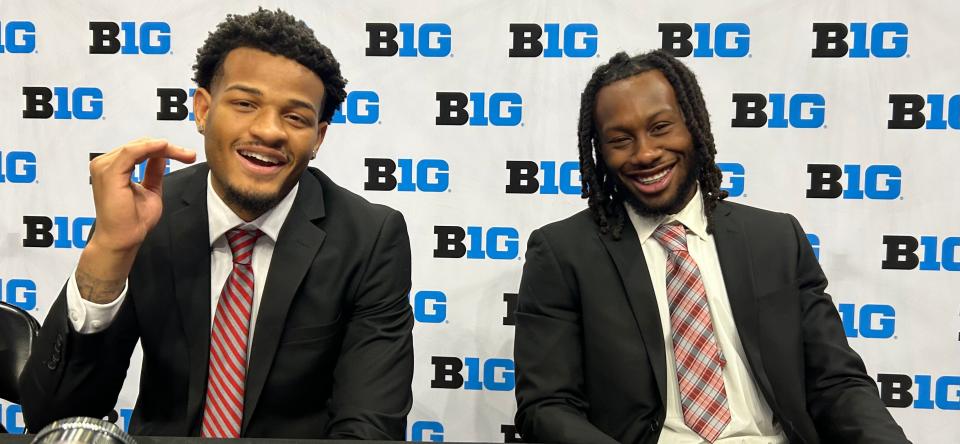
(589, 346)
(332, 352)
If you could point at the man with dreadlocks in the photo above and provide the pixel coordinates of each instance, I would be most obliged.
(270, 302)
(664, 313)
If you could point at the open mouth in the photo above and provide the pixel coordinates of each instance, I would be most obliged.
(261, 162)
(652, 183)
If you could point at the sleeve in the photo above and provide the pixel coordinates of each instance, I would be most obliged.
(89, 317)
(73, 374)
(371, 394)
(548, 350)
(842, 398)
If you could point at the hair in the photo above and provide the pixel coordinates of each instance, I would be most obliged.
(278, 33)
(604, 197)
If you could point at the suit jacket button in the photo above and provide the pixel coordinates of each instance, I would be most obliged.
(655, 425)
(51, 365)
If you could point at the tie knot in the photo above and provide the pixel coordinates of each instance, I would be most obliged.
(673, 237)
(241, 244)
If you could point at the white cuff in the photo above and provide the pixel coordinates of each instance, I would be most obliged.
(89, 317)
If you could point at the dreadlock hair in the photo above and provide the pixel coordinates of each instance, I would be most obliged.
(278, 33)
(598, 186)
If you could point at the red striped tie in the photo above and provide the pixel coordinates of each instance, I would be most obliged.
(700, 362)
(223, 409)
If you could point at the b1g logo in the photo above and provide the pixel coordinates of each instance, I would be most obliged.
(733, 178)
(497, 243)
(504, 108)
(871, 321)
(150, 38)
(173, 104)
(429, 306)
(359, 108)
(19, 292)
(729, 39)
(432, 175)
(138, 171)
(427, 40)
(940, 392)
(908, 112)
(805, 110)
(494, 374)
(902, 253)
(426, 431)
(18, 37)
(887, 40)
(59, 232)
(880, 182)
(815, 244)
(84, 103)
(11, 415)
(18, 167)
(578, 40)
(557, 177)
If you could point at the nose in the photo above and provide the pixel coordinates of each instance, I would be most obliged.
(268, 128)
(646, 152)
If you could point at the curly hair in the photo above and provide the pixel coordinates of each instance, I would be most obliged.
(599, 187)
(278, 33)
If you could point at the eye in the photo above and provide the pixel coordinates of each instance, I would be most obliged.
(298, 119)
(617, 141)
(243, 105)
(660, 127)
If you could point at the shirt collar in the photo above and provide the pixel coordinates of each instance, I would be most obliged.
(691, 216)
(222, 219)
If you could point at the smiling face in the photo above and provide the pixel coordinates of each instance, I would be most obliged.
(261, 128)
(645, 143)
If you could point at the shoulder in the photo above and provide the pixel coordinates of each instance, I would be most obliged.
(755, 219)
(339, 201)
(577, 226)
(346, 212)
(178, 182)
(574, 239)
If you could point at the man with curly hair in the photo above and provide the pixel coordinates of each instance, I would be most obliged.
(663, 313)
(269, 301)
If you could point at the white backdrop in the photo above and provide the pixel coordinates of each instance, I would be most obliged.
(903, 321)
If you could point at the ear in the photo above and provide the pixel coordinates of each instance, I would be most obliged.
(321, 133)
(201, 106)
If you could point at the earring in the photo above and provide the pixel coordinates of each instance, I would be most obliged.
(200, 128)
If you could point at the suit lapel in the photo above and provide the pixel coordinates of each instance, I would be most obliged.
(297, 245)
(190, 248)
(627, 254)
(734, 258)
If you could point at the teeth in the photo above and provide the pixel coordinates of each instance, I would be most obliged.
(654, 178)
(259, 157)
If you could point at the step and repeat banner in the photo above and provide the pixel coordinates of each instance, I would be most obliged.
(463, 116)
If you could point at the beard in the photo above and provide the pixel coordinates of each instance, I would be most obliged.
(251, 202)
(673, 206)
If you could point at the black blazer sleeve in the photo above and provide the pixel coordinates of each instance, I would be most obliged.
(69, 374)
(842, 399)
(371, 394)
(548, 351)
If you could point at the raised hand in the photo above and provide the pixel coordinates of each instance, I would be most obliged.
(126, 212)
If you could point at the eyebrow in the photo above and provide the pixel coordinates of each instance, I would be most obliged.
(256, 92)
(618, 125)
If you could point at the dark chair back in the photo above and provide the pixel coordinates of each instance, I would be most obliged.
(18, 330)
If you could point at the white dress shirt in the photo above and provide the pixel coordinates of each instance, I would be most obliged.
(89, 317)
(751, 420)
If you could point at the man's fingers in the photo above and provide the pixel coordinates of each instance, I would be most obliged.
(123, 159)
(153, 174)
